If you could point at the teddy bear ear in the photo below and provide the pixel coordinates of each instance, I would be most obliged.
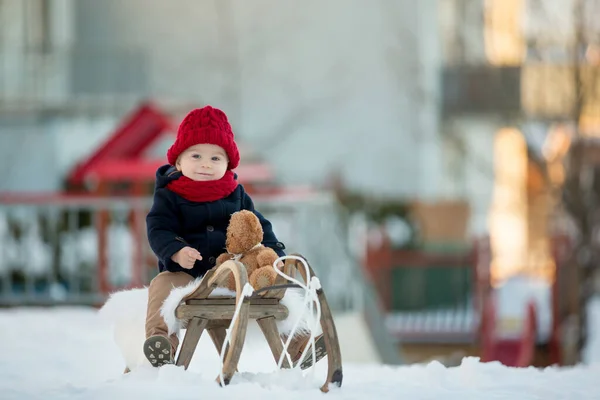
(243, 215)
(249, 219)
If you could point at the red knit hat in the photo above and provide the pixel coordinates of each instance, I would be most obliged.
(205, 125)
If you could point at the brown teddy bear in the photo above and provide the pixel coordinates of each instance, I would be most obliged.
(244, 237)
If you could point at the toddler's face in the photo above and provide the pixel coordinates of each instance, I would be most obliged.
(203, 162)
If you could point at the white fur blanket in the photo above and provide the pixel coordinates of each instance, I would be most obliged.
(126, 311)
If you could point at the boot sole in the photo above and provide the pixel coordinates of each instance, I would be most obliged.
(157, 350)
(320, 352)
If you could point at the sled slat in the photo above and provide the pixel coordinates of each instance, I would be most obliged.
(194, 330)
(238, 330)
(230, 301)
(186, 311)
(217, 335)
(204, 289)
(269, 328)
(334, 355)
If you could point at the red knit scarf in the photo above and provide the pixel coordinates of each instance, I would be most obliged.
(201, 191)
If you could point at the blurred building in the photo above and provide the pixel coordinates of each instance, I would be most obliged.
(352, 87)
(518, 78)
(415, 90)
(514, 64)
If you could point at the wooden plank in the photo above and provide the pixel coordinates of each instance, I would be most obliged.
(229, 301)
(238, 331)
(269, 329)
(217, 335)
(215, 277)
(255, 311)
(221, 276)
(332, 344)
(218, 323)
(264, 301)
(203, 290)
(194, 330)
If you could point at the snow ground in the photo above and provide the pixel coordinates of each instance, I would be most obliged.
(69, 353)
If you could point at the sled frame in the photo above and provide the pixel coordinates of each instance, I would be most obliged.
(214, 315)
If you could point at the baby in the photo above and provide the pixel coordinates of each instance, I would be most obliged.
(194, 198)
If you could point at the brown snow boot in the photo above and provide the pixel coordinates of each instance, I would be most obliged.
(158, 351)
(301, 343)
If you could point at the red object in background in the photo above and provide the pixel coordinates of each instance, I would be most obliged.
(517, 352)
(126, 145)
(121, 157)
(380, 258)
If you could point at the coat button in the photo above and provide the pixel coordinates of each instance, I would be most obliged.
(212, 260)
(280, 245)
(210, 228)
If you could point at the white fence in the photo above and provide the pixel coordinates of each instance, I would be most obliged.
(75, 250)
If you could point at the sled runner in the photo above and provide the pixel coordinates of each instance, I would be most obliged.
(215, 315)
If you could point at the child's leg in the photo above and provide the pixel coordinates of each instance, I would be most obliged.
(158, 291)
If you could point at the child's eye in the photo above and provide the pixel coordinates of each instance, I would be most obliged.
(215, 158)
(195, 155)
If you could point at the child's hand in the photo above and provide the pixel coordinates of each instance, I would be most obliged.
(186, 257)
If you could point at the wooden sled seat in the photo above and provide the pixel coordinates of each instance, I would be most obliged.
(215, 314)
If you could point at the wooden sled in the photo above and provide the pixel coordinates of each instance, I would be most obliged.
(214, 314)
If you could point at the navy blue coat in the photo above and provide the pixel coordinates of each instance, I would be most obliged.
(174, 222)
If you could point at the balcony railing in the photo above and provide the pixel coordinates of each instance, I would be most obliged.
(60, 249)
(481, 89)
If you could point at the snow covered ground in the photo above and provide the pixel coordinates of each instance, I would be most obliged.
(69, 353)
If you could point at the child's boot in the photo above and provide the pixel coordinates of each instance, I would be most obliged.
(158, 351)
(299, 343)
(160, 347)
